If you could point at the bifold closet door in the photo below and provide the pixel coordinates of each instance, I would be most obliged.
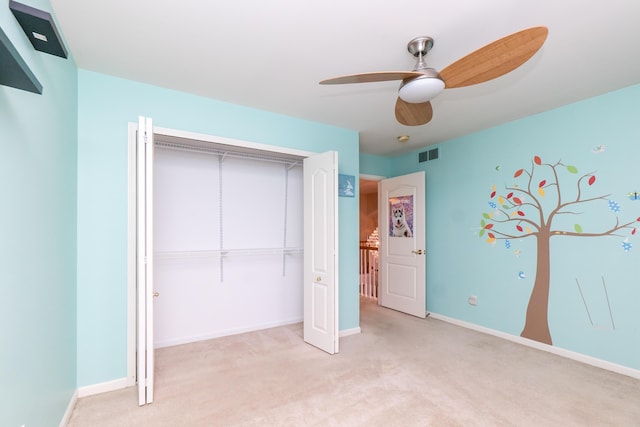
(321, 251)
(145, 257)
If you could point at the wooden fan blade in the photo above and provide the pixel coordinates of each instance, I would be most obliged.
(413, 114)
(380, 76)
(495, 59)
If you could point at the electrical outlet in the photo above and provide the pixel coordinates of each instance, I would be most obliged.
(473, 300)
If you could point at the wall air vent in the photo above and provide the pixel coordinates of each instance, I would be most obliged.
(428, 155)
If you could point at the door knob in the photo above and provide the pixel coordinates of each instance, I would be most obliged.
(156, 294)
(419, 252)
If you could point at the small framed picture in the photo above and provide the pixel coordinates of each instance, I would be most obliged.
(346, 185)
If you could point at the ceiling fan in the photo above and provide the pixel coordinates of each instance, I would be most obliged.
(418, 87)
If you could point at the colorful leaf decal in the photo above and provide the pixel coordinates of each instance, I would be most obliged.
(633, 231)
(509, 195)
(518, 173)
(592, 179)
(528, 230)
(505, 207)
(493, 194)
(517, 201)
(572, 169)
(491, 236)
(486, 215)
(542, 183)
(541, 192)
(518, 227)
(520, 213)
(482, 223)
(481, 233)
(638, 219)
(537, 160)
(501, 200)
(491, 240)
(488, 226)
(577, 228)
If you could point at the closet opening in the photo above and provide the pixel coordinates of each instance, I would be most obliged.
(228, 240)
(244, 237)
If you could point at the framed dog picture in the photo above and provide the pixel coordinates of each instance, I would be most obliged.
(401, 216)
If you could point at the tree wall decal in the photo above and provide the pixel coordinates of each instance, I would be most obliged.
(534, 209)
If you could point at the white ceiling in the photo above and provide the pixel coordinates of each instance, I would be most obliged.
(271, 55)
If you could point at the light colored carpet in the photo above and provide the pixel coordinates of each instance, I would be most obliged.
(400, 371)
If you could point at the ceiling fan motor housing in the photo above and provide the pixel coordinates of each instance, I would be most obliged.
(418, 90)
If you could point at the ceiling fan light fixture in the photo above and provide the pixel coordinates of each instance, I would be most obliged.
(421, 89)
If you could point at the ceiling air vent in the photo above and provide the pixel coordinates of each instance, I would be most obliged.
(428, 155)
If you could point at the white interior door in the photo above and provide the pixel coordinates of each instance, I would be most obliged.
(402, 243)
(145, 359)
(320, 251)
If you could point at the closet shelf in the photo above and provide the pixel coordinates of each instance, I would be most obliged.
(217, 253)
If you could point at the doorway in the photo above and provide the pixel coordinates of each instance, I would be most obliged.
(392, 257)
(369, 238)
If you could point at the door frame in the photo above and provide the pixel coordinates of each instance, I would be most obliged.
(132, 216)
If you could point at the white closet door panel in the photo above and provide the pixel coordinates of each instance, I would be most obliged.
(321, 252)
(145, 258)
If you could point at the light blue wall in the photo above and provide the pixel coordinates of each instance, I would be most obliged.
(461, 264)
(106, 106)
(38, 238)
(375, 165)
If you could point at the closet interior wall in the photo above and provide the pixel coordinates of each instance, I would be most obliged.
(228, 233)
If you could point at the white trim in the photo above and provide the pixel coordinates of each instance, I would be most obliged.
(105, 387)
(579, 357)
(67, 414)
(347, 332)
(369, 177)
(200, 137)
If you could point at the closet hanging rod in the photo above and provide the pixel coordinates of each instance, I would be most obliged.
(166, 255)
(223, 153)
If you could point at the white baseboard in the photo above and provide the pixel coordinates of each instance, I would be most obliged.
(347, 332)
(579, 357)
(69, 411)
(90, 390)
